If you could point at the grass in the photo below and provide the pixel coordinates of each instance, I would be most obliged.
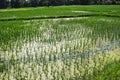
(10, 31)
(39, 12)
(110, 72)
(60, 48)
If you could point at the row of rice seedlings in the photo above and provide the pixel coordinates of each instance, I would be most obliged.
(15, 46)
(38, 62)
(66, 69)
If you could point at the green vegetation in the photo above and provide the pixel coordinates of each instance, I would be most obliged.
(60, 48)
(60, 11)
(110, 72)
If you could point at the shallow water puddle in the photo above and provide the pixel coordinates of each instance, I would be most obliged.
(70, 18)
(81, 11)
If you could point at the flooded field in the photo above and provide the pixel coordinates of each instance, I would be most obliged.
(58, 49)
